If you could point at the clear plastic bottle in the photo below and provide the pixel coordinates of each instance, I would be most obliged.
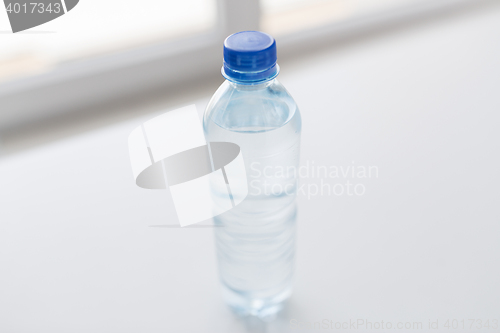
(255, 241)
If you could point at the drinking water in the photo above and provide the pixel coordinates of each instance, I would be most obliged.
(255, 241)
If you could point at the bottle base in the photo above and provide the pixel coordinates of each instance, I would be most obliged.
(265, 308)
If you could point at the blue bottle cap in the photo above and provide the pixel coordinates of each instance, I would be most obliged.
(250, 57)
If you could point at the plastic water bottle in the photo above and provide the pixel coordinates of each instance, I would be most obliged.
(255, 241)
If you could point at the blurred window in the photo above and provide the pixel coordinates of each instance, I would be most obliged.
(287, 16)
(102, 45)
(96, 27)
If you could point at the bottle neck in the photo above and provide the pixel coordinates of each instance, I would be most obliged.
(251, 87)
(250, 78)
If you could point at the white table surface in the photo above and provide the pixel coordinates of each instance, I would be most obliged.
(78, 252)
